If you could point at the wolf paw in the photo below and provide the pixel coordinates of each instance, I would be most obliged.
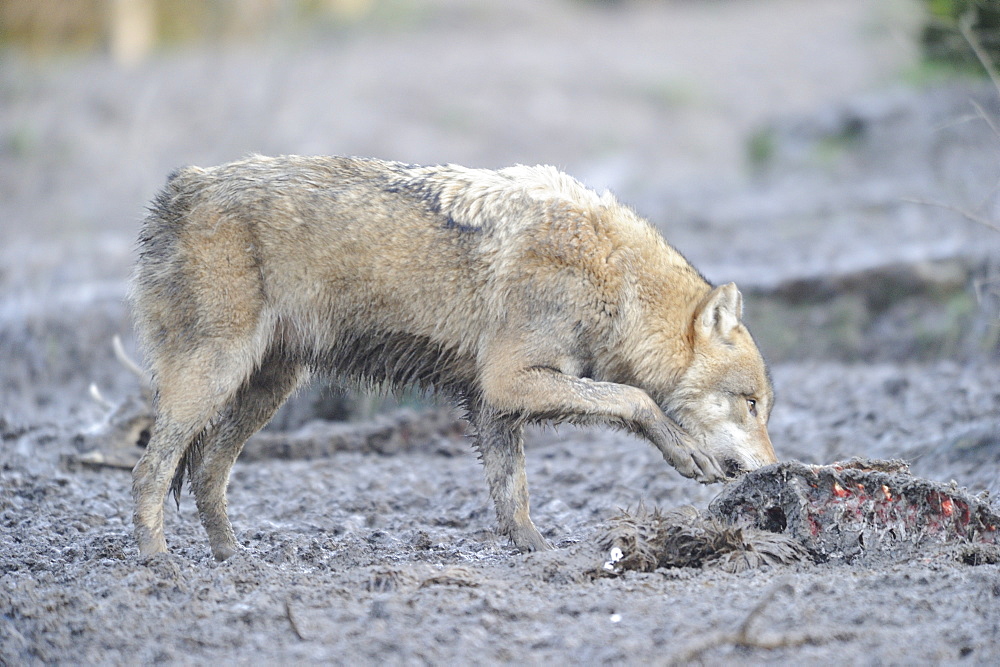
(150, 542)
(696, 465)
(708, 469)
(682, 453)
(527, 539)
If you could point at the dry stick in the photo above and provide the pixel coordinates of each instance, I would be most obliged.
(96, 394)
(974, 217)
(127, 361)
(965, 23)
(743, 633)
(965, 27)
(291, 620)
(989, 121)
(742, 639)
(996, 132)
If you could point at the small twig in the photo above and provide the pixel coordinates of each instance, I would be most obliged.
(965, 23)
(291, 620)
(743, 633)
(127, 361)
(989, 195)
(985, 116)
(954, 122)
(965, 213)
(742, 638)
(96, 394)
(980, 285)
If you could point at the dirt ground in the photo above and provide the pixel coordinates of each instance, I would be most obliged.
(797, 149)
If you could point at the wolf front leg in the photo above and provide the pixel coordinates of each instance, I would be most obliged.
(540, 392)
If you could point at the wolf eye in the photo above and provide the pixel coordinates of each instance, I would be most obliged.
(752, 406)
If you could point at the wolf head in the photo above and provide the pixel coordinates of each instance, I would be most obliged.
(723, 399)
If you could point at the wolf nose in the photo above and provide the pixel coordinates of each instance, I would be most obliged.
(733, 468)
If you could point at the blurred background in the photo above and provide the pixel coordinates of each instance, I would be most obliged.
(837, 158)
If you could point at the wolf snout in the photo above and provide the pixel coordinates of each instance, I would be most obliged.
(736, 467)
(733, 468)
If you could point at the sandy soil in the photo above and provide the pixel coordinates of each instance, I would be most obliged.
(375, 557)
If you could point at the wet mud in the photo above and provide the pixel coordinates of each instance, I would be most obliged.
(364, 556)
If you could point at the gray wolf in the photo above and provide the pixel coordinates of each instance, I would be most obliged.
(520, 294)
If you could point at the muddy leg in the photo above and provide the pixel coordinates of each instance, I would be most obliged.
(181, 416)
(542, 392)
(501, 449)
(248, 411)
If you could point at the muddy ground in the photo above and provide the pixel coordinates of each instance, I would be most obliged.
(793, 149)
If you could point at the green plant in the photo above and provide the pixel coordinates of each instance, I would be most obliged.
(942, 38)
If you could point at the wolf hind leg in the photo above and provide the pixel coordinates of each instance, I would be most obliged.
(500, 442)
(190, 394)
(152, 474)
(248, 411)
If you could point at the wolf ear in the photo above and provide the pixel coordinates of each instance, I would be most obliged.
(719, 313)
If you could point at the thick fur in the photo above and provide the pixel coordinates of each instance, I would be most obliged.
(519, 293)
